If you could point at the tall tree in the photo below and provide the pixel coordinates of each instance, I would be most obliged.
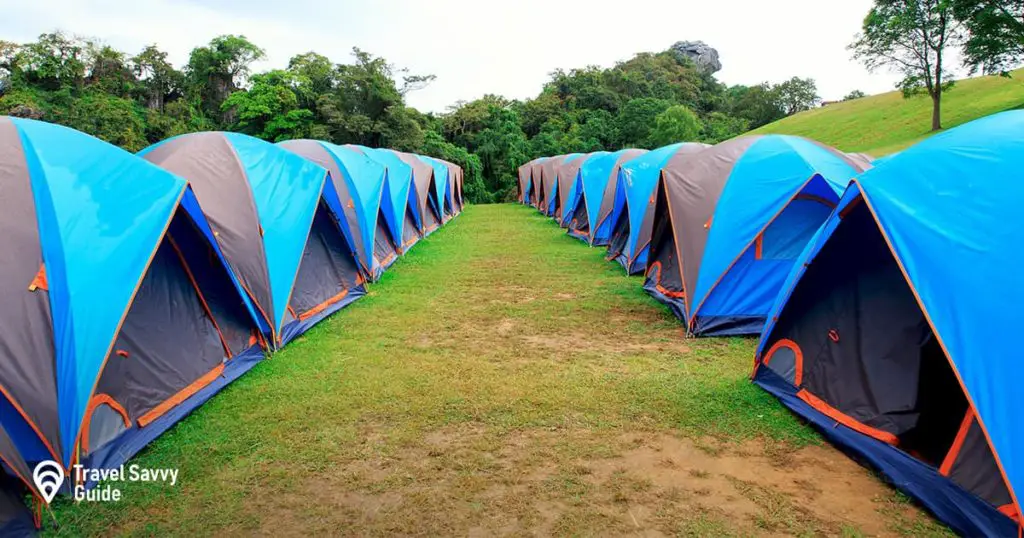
(53, 62)
(157, 77)
(995, 33)
(218, 69)
(108, 70)
(314, 76)
(797, 94)
(368, 107)
(759, 105)
(269, 109)
(911, 37)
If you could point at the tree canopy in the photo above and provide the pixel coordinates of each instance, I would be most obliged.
(136, 100)
(911, 37)
(995, 33)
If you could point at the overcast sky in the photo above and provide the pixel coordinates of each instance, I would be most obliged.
(484, 46)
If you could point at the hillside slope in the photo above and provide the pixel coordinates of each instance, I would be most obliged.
(886, 123)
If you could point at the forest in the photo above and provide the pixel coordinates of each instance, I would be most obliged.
(134, 100)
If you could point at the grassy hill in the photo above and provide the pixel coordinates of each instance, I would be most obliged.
(886, 123)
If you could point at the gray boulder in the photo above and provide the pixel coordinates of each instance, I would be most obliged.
(700, 53)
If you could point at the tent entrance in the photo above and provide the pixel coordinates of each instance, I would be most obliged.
(186, 321)
(619, 239)
(328, 271)
(384, 249)
(664, 272)
(579, 226)
(555, 204)
(432, 217)
(790, 231)
(448, 207)
(410, 232)
(862, 352)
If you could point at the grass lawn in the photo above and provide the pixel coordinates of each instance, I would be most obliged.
(501, 379)
(886, 123)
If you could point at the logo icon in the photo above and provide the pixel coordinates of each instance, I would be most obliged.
(49, 477)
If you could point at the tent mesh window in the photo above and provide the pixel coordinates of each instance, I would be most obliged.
(790, 231)
(870, 355)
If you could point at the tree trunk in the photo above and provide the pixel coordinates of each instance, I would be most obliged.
(937, 111)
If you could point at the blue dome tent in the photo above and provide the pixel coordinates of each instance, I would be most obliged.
(279, 221)
(591, 207)
(405, 220)
(729, 223)
(632, 212)
(120, 311)
(894, 332)
(362, 186)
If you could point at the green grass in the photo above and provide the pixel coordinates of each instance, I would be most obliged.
(886, 123)
(473, 390)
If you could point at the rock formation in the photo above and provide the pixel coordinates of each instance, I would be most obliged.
(700, 53)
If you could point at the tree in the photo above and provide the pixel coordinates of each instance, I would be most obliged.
(502, 148)
(911, 37)
(536, 112)
(796, 95)
(855, 94)
(759, 105)
(597, 129)
(269, 109)
(995, 33)
(314, 76)
(637, 117)
(677, 124)
(133, 101)
(8, 53)
(464, 120)
(719, 127)
(108, 71)
(217, 70)
(157, 77)
(474, 189)
(53, 62)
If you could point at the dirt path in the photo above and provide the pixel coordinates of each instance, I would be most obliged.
(502, 379)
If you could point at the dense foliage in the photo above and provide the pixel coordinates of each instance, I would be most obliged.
(136, 100)
(995, 33)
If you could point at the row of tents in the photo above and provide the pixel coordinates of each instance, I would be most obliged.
(134, 287)
(886, 294)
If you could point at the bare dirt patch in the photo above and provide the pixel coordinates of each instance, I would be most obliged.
(472, 480)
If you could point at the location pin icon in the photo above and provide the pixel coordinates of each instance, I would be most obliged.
(49, 477)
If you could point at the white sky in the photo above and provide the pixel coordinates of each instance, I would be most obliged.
(484, 46)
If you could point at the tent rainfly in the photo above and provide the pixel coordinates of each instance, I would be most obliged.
(362, 188)
(729, 223)
(591, 209)
(893, 333)
(294, 254)
(120, 311)
(632, 210)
